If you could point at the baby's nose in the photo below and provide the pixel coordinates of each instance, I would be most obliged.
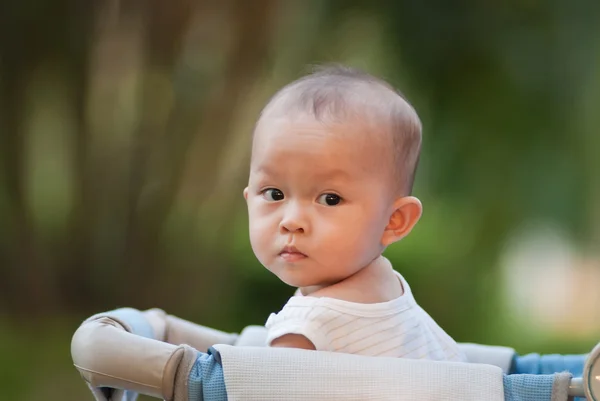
(290, 226)
(293, 221)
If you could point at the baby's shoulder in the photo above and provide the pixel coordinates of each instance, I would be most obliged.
(297, 307)
(310, 309)
(307, 316)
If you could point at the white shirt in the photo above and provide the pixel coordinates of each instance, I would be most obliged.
(397, 328)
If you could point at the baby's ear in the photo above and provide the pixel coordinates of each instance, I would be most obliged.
(245, 193)
(406, 214)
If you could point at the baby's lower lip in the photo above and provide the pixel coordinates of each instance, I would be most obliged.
(292, 256)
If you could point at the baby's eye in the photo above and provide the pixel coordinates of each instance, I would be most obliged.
(272, 194)
(329, 199)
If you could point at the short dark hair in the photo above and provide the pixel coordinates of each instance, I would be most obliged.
(340, 92)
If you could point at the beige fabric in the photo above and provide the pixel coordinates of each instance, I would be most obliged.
(560, 387)
(182, 374)
(173, 330)
(181, 331)
(260, 373)
(108, 356)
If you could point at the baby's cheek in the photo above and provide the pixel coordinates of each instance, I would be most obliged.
(361, 245)
(257, 237)
(343, 250)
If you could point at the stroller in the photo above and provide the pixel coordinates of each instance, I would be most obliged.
(126, 352)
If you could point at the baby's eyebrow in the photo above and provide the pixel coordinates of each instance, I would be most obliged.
(335, 174)
(330, 174)
(266, 170)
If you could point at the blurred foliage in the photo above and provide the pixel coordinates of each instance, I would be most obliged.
(124, 140)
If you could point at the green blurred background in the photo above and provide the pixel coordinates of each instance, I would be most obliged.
(124, 144)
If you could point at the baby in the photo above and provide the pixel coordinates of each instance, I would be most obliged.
(333, 162)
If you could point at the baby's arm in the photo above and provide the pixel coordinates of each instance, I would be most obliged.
(293, 341)
(297, 326)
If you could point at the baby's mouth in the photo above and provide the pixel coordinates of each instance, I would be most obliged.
(291, 254)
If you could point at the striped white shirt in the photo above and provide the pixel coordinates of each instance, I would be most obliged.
(397, 328)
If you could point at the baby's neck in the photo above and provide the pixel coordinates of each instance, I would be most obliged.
(374, 283)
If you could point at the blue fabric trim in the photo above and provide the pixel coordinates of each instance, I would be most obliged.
(206, 381)
(548, 364)
(130, 395)
(519, 387)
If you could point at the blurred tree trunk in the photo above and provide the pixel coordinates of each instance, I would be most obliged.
(20, 276)
(162, 147)
(75, 281)
(170, 118)
(28, 36)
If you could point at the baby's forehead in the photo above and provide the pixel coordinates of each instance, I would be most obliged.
(354, 130)
(354, 143)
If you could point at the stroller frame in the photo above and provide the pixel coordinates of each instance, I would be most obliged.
(126, 352)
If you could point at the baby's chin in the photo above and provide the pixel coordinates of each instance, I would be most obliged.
(307, 284)
(294, 280)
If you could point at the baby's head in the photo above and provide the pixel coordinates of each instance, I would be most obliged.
(333, 162)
